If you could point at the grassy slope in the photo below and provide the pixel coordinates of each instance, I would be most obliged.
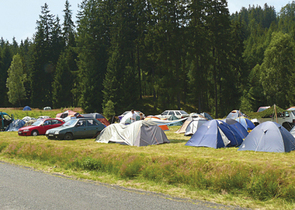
(223, 175)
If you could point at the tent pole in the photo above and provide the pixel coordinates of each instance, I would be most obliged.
(276, 113)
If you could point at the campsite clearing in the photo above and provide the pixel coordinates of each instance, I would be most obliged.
(242, 178)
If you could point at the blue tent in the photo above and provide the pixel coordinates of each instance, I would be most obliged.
(248, 124)
(215, 134)
(27, 108)
(269, 137)
(237, 126)
(15, 125)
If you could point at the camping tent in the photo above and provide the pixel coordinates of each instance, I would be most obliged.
(139, 133)
(192, 117)
(27, 108)
(173, 117)
(215, 134)
(126, 118)
(235, 114)
(97, 116)
(237, 126)
(15, 125)
(68, 113)
(246, 123)
(269, 137)
(193, 126)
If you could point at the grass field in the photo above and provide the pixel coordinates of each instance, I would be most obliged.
(246, 179)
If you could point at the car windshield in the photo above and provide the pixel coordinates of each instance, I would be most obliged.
(38, 123)
(70, 122)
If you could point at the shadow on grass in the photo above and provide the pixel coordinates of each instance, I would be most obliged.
(175, 141)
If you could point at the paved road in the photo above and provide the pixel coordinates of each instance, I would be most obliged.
(24, 188)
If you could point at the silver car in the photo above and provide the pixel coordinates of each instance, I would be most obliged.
(177, 113)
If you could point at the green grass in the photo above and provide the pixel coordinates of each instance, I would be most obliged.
(248, 179)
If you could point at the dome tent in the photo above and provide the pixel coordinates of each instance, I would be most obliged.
(246, 123)
(215, 134)
(193, 116)
(269, 137)
(139, 133)
(27, 108)
(194, 125)
(237, 126)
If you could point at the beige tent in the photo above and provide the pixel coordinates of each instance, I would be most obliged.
(192, 117)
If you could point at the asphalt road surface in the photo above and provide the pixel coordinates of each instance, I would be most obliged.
(24, 188)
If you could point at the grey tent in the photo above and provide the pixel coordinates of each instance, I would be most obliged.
(139, 133)
(269, 137)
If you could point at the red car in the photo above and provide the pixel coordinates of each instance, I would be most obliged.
(40, 127)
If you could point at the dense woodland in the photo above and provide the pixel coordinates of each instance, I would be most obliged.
(177, 52)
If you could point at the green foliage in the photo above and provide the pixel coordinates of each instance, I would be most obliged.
(15, 81)
(277, 70)
(129, 50)
(109, 110)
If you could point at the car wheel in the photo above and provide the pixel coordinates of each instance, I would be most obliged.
(34, 133)
(68, 136)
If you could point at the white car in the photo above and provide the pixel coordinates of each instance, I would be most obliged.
(286, 119)
(177, 113)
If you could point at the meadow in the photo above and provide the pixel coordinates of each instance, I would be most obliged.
(248, 179)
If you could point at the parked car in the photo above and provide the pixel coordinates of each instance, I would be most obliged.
(40, 127)
(178, 113)
(286, 119)
(76, 128)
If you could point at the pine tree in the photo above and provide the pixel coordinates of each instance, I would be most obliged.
(92, 45)
(5, 61)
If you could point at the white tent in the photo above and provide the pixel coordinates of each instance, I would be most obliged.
(192, 117)
(127, 117)
(193, 126)
(139, 133)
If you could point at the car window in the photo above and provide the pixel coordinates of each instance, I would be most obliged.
(183, 112)
(177, 113)
(81, 123)
(171, 113)
(47, 122)
(165, 113)
(70, 122)
(55, 122)
(91, 122)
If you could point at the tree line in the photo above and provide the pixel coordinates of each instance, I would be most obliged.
(177, 52)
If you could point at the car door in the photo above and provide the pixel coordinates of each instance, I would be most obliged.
(80, 130)
(45, 126)
(92, 128)
(56, 123)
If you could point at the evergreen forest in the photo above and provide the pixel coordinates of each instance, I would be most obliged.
(174, 52)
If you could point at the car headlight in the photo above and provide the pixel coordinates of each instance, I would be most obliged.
(56, 132)
(47, 132)
(26, 130)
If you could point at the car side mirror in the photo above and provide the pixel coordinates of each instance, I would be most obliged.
(77, 125)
